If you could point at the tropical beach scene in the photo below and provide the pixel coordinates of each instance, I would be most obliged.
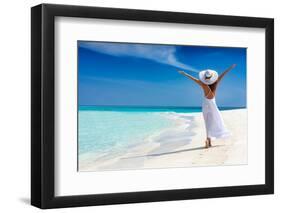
(156, 106)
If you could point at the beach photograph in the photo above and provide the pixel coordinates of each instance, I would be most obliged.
(158, 106)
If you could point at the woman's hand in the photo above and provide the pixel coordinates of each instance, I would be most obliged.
(233, 66)
(181, 72)
(189, 76)
(225, 72)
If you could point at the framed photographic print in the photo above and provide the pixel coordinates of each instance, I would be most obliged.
(139, 106)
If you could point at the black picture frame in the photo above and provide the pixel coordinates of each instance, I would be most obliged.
(43, 101)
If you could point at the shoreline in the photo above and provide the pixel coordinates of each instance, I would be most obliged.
(180, 146)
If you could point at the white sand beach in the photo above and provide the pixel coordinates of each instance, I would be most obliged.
(181, 146)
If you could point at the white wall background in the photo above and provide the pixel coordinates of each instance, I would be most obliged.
(15, 105)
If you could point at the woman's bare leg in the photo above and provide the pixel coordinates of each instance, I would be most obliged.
(209, 142)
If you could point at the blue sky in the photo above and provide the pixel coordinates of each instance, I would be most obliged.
(146, 74)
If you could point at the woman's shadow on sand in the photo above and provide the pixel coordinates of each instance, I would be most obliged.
(173, 152)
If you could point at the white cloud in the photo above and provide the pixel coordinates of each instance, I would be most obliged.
(159, 53)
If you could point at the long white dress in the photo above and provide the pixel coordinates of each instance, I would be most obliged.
(215, 127)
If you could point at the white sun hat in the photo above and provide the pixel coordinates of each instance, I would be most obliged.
(208, 76)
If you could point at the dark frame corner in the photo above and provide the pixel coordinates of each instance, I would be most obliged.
(42, 105)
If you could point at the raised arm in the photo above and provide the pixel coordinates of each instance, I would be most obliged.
(225, 72)
(190, 77)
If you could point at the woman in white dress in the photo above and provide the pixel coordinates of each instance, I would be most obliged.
(209, 80)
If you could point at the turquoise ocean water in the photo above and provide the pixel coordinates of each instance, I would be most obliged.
(103, 129)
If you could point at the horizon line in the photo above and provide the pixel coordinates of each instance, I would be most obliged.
(152, 106)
